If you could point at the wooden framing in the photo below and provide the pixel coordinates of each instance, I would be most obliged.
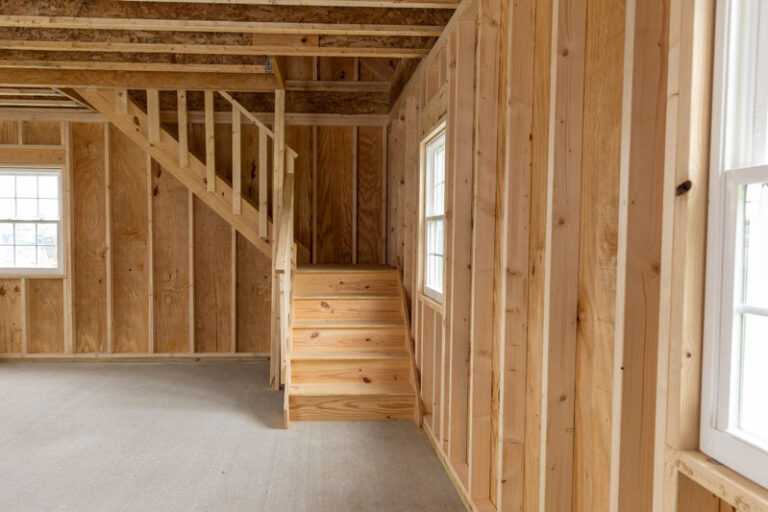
(390, 4)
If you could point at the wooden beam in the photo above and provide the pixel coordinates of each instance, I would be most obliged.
(97, 79)
(382, 68)
(275, 48)
(183, 128)
(237, 162)
(133, 66)
(30, 102)
(388, 4)
(562, 254)
(153, 111)
(15, 91)
(210, 143)
(263, 184)
(238, 27)
(32, 155)
(278, 67)
(336, 86)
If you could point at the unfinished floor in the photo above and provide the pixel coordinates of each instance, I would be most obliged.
(196, 436)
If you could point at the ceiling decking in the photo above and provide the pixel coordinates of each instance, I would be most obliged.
(340, 56)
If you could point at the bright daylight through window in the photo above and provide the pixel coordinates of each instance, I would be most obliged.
(30, 221)
(735, 384)
(434, 216)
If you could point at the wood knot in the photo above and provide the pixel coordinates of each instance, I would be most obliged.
(314, 335)
(324, 304)
(366, 380)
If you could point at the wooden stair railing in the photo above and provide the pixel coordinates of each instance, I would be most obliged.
(274, 239)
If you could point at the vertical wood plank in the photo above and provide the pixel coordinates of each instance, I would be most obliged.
(46, 316)
(237, 162)
(181, 110)
(254, 274)
(11, 316)
(129, 225)
(153, 112)
(192, 271)
(151, 251)
(263, 186)
(355, 192)
(108, 235)
(210, 143)
(67, 207)
(89, 237)
(370, 193)
(562, 244)
(334, 190)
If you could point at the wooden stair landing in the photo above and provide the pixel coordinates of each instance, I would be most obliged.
(350, 355)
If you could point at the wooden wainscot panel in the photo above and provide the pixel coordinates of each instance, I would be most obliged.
(89, 237)
(170, 258)
(11, 316)
(253, 298)
(130, 245)
(213, 281)
(45, 315)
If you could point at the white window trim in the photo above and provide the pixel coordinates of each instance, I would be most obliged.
(728, 446)
(434, 295)
(59, 271)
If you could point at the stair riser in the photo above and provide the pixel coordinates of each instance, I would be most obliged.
(350, 371)
(385, 310)
(348, 339)
(358, 283)
(349, 408)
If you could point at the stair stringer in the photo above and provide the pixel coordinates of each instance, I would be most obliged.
(135, 124)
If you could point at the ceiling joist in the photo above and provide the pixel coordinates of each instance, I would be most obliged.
(240, 27)
(387, 4)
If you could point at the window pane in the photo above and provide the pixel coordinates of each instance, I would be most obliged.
(6, 256)
(7, 208)
(49, 209)
(47, 257)
(433, 273)
(26, 209)
(49, 186)
(25, 257)
(746, 118)
(6, 233)
(26, 186)
(754, 378)
(755, 265)
(47, 234)
(25, 234)
(7, 185)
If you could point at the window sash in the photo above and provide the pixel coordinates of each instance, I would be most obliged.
(16, 220)
(730, 169)
(433, 242)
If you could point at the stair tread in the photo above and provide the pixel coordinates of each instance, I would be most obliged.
(359, 324)
(331, 268)
(324, 353)
(350, 389)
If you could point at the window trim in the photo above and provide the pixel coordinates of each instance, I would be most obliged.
(38, 272)
(716, 439)
(430, 294)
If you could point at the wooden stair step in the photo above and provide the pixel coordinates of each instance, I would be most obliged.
(351, 389)
(354, 324)
(370, 371)
(312, 354)
(339, 284)
(334, 339)
(331, 310)
(351, 407)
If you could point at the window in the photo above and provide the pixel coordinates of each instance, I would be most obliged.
(734, 420)
(434, 215)
(30, 221)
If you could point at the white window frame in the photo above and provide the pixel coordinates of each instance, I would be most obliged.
(437, 132)
(59, 270)
(720, 438)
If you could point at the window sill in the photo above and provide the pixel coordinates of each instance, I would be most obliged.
(720, 480)
(429, 301)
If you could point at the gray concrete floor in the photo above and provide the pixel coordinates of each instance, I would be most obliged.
(196, 436)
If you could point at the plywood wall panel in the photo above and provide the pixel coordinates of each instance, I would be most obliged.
(42, 132)
(11, 316)
(213, 280)
(45, 314)
(89, 243)
(250, 167)
(300, 139)
(170, 239)
(336, 68)
(9, 132)
(253, 302)
(334, 191)
(369, 190)
(130, 245)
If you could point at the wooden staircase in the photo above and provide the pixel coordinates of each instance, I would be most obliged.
(351, 357)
